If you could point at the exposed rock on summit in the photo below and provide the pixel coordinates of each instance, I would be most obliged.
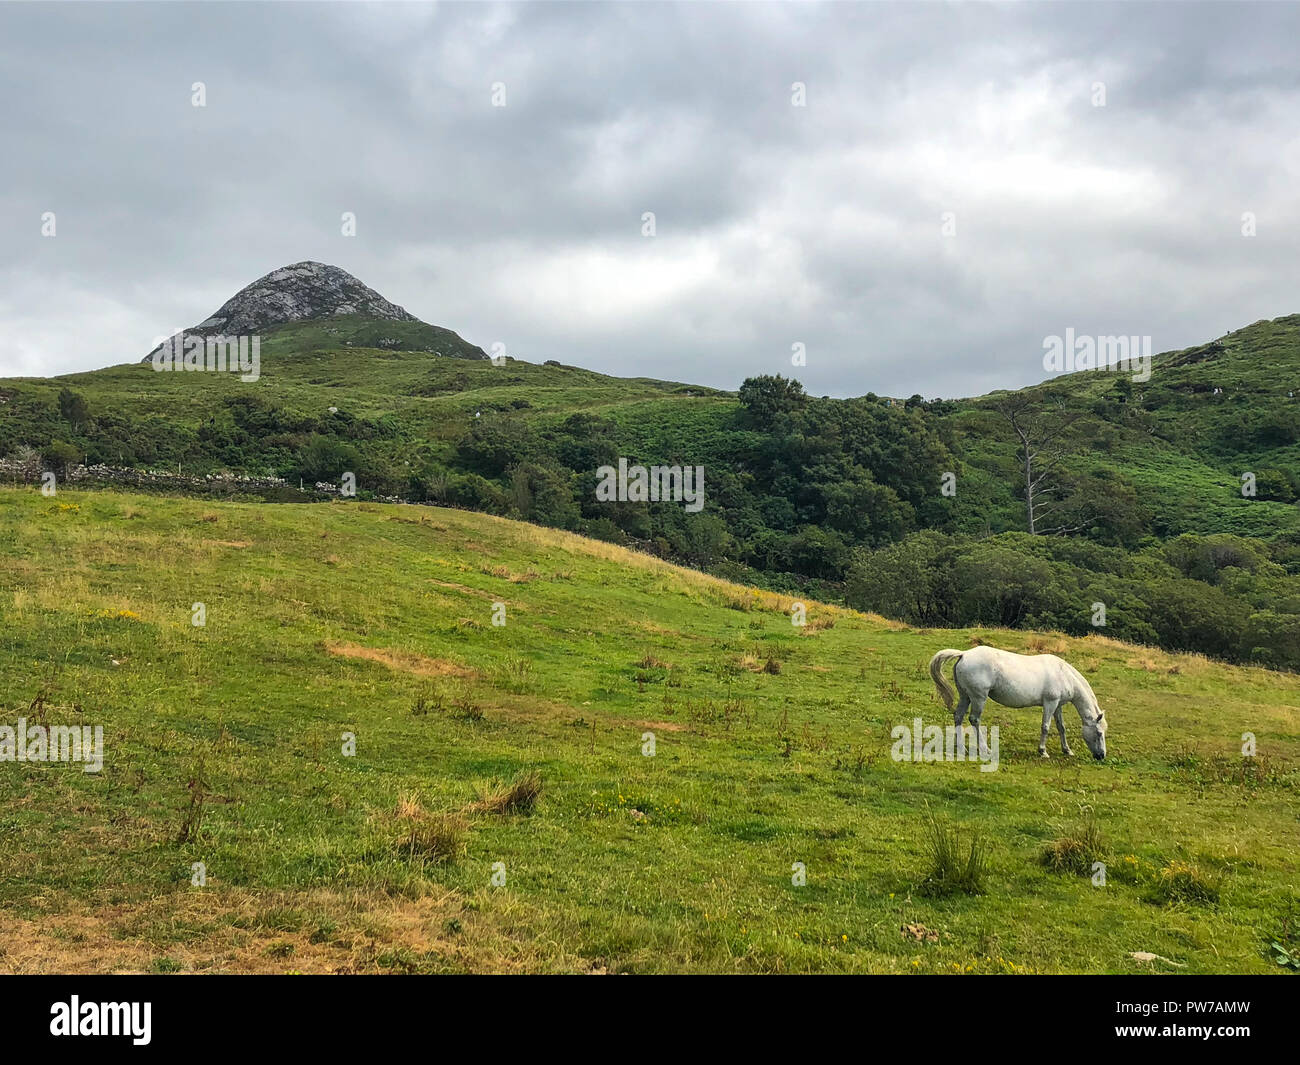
(302, 292)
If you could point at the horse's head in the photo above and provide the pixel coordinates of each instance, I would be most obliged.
(1094, 735)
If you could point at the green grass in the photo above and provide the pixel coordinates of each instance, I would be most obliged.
(516, 752)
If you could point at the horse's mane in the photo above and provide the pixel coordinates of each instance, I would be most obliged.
(1084, 689)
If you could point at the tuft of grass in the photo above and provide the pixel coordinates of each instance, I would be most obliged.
(515, 675)
(954, 869)
(436, 837)
(466, 709)
(1077, 851)
(426, 699)
(192, 817)
(1284, 944)
(1183, 882)
(518, 797)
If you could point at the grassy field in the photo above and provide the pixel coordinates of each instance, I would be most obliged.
(224, 745)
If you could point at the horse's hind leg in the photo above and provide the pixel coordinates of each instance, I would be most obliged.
(959, 714)
(977, 712)
(1060, 727)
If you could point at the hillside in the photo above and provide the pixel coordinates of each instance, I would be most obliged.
(1181, 443)
(1184, 437)
(223, 745)
(812, 496)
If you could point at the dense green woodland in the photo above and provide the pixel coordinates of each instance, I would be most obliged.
(835, 498)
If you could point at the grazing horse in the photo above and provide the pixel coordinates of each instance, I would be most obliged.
(1021, 680)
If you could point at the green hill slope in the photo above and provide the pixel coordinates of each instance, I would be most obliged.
(800, 491)
(1184, 437)
(431, 383)
(224, 745)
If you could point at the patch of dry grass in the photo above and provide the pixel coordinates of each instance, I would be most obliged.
(404, 661)
(518, 797)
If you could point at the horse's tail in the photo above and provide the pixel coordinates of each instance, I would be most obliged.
(936, 673)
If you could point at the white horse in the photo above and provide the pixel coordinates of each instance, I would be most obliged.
(1021, 680)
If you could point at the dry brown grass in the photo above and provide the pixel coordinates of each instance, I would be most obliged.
(403, 661)
(462, 588)
(426, 836)
(505, 573)
(656, 726)
(518, 797)
(236, 931)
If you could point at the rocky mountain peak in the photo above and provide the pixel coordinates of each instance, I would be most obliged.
(295, 293)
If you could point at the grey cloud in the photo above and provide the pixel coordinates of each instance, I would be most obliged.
(775, 224)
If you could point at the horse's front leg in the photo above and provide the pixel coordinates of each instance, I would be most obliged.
(1049, 708)
(1060, 727)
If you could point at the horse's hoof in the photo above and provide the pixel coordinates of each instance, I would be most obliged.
(1044, 754)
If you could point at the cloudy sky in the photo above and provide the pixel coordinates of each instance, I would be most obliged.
(775, 224)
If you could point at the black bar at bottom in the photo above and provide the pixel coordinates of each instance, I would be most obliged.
(302, 1013)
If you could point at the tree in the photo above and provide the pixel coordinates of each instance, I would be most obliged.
(541, 494)
(999, 585)
(584, 442)
(767, 397)
(1039, 430)
(704, 539)
(910, 580)
(62, 456)
(73, 407)
(493, 445)
(1191, 616)
(1104, 504)
(323, 458)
